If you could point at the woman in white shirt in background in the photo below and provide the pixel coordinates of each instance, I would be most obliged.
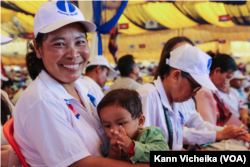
(176, 84)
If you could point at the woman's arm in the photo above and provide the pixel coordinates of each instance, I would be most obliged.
(206, 105)
(105, 162)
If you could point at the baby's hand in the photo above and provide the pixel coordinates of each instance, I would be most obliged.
(123, 140)
(114, 145)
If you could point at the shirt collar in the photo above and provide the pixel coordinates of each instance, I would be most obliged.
(163, 96)
(92, 82)
(57, 88)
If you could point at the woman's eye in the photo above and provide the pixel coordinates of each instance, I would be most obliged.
(107, 126)
(80, 42)
(59, 44)
(121, 123)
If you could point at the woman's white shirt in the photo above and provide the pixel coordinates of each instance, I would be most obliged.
(153, 98)
(198, 131)
(46, 130)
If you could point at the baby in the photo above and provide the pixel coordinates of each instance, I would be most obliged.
(121, 115)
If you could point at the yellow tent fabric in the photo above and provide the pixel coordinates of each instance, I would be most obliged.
(132, 28)
(168, 15)
(28, 6)
(7, 15)
(210, 11)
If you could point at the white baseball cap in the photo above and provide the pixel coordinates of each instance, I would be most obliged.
(5, 40)
(192, 60)
(238, 75)
(101, 60)
(56, 14)
(3, 78)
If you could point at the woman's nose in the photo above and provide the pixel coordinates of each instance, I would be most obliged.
(73, 54)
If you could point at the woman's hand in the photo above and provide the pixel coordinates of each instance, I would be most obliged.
(123, 140)
(230, 132)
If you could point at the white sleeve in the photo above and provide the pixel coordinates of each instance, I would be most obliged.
(242, 103)
(48, 128)
(3, 139)
(198, 131)
(149, 108)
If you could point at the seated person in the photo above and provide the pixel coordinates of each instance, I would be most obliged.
(233, 100)
(209, 104)
(98, 71)
(129, 73)
(121, 115)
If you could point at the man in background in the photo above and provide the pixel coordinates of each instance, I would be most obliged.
(97, 72)
(129, 73)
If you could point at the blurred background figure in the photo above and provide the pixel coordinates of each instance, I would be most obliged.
(20, 91)
(129, 74)
(97, 72)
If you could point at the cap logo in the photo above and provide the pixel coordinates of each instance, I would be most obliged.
(66, 8)
(209, 63)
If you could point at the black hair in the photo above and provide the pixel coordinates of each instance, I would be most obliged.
(5, 110)
(125, 65)
(224, 61)
(211, 54)
(7, 83)
(91, 68)
(125, 98)
(166, 54)
(34, 64)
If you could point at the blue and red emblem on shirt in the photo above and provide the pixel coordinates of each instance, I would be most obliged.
(70, 106)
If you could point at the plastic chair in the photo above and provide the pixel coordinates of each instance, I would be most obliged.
(8, 131)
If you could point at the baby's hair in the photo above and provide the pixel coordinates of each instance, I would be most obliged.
(125, 98)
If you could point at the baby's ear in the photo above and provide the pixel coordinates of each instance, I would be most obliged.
(141, 121)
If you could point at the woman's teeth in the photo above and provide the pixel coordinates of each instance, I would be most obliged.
(71, 66)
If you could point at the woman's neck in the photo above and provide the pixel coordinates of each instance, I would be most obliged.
(167, 89)
(70, 88)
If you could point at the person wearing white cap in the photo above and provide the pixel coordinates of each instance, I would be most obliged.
(55, 121)
(129, 73)
(181, 73)
(209, 104)
(6, 106)
(246, 89)
(97, 72)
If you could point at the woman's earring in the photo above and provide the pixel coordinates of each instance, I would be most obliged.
(39, 54)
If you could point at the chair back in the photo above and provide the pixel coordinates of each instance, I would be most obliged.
(8, 131)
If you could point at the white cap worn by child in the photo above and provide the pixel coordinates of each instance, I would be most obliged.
(101, 60)
(5, 40)
(192, 60)
(56, 14)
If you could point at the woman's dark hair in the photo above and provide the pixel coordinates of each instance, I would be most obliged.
(125, 98)
(163, 68)
(224, 61)
(34, 64)
(5, 110)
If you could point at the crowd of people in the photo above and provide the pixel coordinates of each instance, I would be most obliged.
(63, 119)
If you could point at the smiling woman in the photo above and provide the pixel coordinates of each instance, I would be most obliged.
(56, 123)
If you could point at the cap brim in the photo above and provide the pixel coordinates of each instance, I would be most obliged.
(112, 73)
(204, 81)
(239, 78)
(89, 26)
(5, 40)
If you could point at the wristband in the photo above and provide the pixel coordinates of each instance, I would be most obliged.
(131, 152)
